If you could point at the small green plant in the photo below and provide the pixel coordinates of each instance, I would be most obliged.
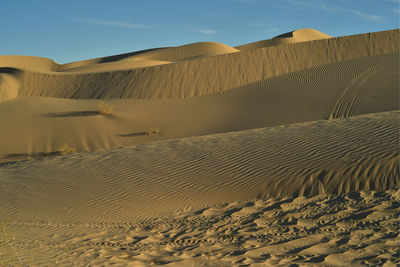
(65, 149)
(105, 109)
(153, 131)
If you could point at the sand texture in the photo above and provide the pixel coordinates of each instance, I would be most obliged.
(276, 153)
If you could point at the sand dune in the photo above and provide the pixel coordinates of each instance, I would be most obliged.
(198, 77)
(186, 52)
(302, 35)
(278, 152)
(28, 63)
(118, 65)
(123, 185)
(39, 126)
(151, 58)
(9, 84)
(335, 156)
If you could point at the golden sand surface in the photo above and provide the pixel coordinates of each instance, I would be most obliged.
(279, 152)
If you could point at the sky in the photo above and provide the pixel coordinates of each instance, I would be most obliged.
(73, 30)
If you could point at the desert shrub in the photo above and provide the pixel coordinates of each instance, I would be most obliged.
(152, 131)
(66, 149)
(105, 109)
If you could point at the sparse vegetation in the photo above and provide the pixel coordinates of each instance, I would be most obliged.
(105, 109)
(153, 131)
(65, 149)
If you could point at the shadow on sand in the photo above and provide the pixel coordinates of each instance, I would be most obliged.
(15, 157)
(133, 134)
(73, 114)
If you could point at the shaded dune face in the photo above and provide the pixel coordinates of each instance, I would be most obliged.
(9, 83)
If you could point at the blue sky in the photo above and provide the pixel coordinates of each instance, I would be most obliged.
(73, 30)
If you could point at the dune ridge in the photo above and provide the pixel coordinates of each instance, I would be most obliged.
(359, 86)
(302, 35)
(197, 77)
(329, 156)
(150, 58)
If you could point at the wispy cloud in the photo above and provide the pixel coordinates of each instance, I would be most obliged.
(113, 23)
(323, 6)
(206, 31)
(200, 30)
(358, 13)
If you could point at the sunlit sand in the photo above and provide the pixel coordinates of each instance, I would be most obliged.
(283, 151)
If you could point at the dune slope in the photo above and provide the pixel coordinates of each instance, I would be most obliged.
(101, 206)
(39, 126)
(302, 35)
(335, 156)
(206, 75)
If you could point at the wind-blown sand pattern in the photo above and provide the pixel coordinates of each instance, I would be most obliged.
(279, 152)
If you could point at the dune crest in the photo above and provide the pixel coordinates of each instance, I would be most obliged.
(28, 63)
(302, 35)
(186, 52)
(151, 57)
(206, 75)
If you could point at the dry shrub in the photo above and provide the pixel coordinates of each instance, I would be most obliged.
(153, 131)
(65, 149)
(105, 109)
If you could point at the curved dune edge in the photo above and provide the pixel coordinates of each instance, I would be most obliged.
(335, 156)
(302, 35)
(198, 76)
(148, 58)
(39, 126)
(139, 59)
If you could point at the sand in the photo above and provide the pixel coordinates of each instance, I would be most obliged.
(278, 152)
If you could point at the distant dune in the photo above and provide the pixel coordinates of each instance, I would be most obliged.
(196, 75)
(302, 35)
(278, 152)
